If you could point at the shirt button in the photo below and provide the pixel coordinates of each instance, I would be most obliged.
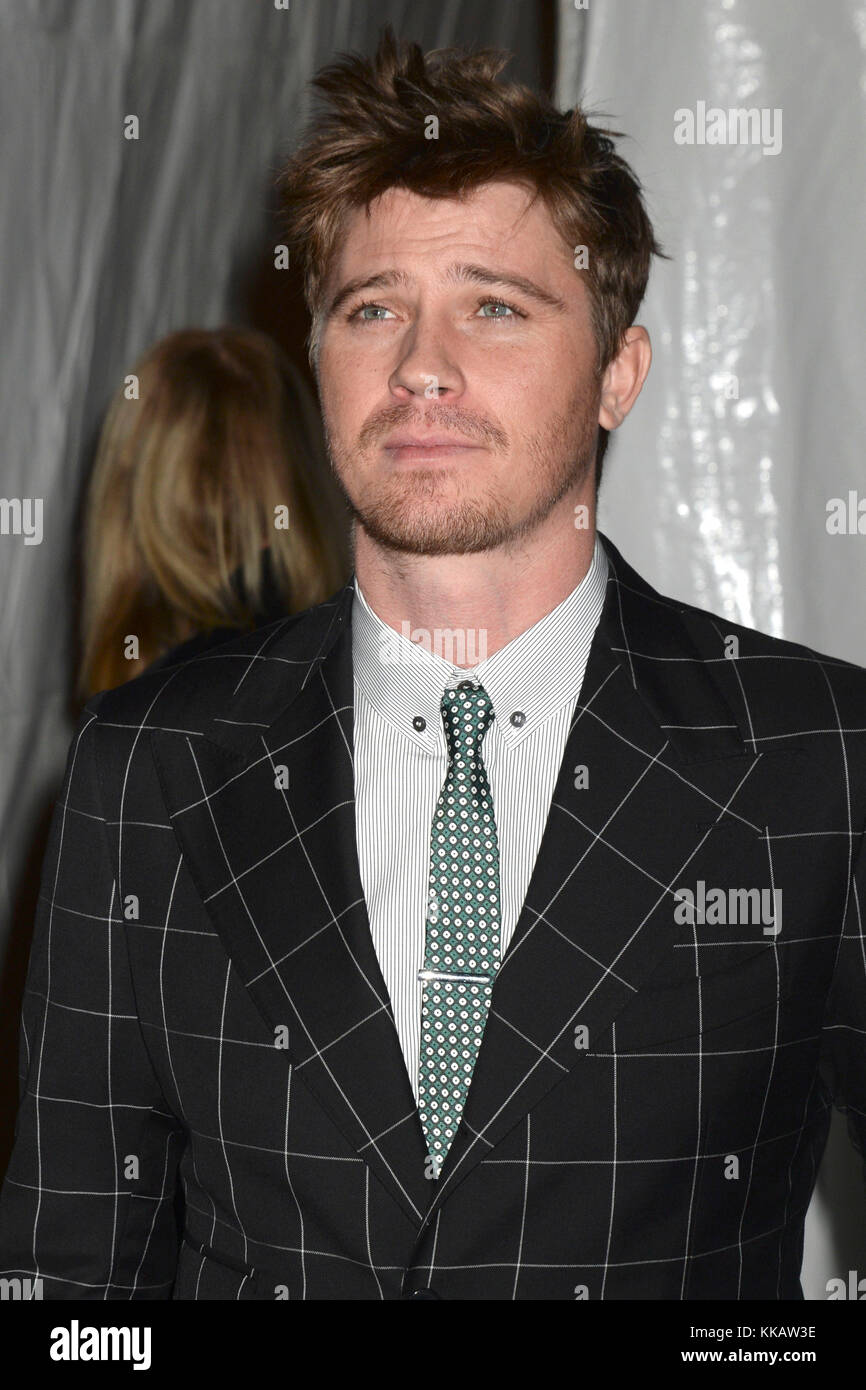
(419, 723)
(518, 719)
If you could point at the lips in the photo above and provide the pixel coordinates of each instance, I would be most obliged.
(430, 445)
(433, 441)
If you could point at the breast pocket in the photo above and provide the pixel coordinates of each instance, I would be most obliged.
(726, 906)
(724, 962)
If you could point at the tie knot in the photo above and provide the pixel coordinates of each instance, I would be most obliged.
(467, 712)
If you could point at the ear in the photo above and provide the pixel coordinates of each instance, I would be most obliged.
(624, 377)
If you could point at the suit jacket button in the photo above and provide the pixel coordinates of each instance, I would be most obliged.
(421, 1293)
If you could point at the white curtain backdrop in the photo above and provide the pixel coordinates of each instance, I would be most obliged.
(754, 414)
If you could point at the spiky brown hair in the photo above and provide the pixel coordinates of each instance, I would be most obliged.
(373, 137)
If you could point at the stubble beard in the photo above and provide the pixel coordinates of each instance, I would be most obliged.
(415, 512)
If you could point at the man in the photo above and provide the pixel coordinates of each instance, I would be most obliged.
(493, 930)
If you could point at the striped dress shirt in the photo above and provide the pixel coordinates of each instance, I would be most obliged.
(401, 760)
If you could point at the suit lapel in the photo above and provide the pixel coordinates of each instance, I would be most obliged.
(277, 869)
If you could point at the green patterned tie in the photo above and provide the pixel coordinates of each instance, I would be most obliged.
(463, 922)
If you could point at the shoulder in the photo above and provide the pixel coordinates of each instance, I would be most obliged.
(193, 646)
(212, 679)
(788, 669)
(776, 688)
(784, 691)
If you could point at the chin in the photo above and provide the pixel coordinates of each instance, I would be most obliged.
(432, 531)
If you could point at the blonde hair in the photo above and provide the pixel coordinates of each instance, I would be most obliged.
(184, 492)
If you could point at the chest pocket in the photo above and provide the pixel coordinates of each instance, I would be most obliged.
(725, 962)
(727, 906)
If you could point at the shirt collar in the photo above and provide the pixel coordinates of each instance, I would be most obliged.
(533, 675)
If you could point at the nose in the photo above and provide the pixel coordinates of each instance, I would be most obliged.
(427, 366)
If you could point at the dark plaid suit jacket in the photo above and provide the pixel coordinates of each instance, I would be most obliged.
(652, 1095)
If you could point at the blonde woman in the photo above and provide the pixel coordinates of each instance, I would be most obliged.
(185, 524)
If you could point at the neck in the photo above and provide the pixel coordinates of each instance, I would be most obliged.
(499, 592)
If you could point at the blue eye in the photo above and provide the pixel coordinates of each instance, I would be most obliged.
(497, 304)
(360, 312)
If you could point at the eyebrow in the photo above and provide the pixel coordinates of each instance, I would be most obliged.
(457, 274)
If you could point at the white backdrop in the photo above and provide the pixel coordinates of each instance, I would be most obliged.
(754, 413)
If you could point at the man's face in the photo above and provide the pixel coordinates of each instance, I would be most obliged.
(443, 351)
